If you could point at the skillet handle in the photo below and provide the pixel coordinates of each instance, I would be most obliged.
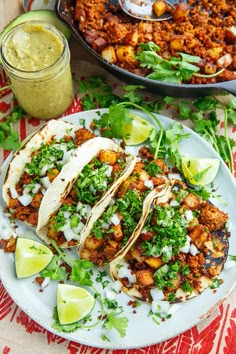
(229, 86)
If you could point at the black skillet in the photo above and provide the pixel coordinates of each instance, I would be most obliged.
(65, 12)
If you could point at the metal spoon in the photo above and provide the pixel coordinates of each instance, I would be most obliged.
(143, 9)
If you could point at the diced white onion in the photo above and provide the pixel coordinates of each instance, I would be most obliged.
(168, 251)
(67, 155)
(25, 199)
(43, 191)
(83, 209)
(115, 219)
(69, 234)
(160, 307)
(108, 171)
(78, 228)
(7, 233)
(149, 184)
(188, 215)
(105, 226)
(144, 231)
(139, 7)
(14, 193)
(45, 182)
(173, 308)
(66, 214)
(157, 294)
(36, 188)
(92, 189)
(174, 176)
(116, 286)
(124, 272)
(193, 250)
(66, 226)
(112, 202)
(45, 282)
(174, 203)
(186, 247)
(46, 168)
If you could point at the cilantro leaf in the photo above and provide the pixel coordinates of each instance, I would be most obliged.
(54, 270)
(80, 273)
(120, 324)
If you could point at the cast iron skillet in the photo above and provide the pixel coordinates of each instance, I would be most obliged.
(161, 88)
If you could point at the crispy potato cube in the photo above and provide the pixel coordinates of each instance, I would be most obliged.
(85, 254)
(159, 8)
(181, 12)
(225, 60)
(126, 54)
(136, 254)
(209, 69)
(117, 234)
(145, 277)
(191, 201)
(109, 54)
(199, 235)
(132, 38)
(93, 243)
(153, 262)
(177, 43)
(214, 53)
(52, 174)
(108, 156)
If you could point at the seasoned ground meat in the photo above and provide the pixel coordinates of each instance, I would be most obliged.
(204, 28)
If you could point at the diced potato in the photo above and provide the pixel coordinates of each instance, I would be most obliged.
(126, 54)
(177, 43)
(108, 156)
(192, 201)
(145, 277)
(159, 8)
(225, 60)
(109, 54)
(136, 254)
(143, 175)
(52, 232)
(209, 69)
(153, 262)
(214, 53)
(85, 254)
(93, 243)
(132, 38)
(181, 12)
(117, 234)
(199, 235)
(52, 174)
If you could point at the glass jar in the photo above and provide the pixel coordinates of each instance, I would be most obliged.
(36, 58)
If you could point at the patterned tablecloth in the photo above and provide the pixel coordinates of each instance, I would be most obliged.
(21, 335)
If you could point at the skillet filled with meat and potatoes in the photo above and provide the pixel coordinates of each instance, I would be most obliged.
(204, 29)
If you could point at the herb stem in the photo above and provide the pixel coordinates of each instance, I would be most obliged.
(231, 162)
(5, 88)
(210, 75)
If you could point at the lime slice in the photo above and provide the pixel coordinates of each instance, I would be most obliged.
(200, 171)
(138, 131)
(31, 257)
(73, 303)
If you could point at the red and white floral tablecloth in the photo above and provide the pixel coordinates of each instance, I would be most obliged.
(21, 335)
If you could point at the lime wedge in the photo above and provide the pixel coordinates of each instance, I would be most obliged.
(73, 303)
(200, 171)
(31, 257)
(138, 131)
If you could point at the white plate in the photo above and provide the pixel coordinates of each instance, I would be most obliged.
(142, 330)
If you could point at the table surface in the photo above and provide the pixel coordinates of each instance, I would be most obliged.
(19, 334)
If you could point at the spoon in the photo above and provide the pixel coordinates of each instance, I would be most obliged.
(147, 9)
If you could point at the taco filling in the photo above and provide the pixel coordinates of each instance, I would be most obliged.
(111, 232)
(41, 167)
(182, 247)
(93, 182)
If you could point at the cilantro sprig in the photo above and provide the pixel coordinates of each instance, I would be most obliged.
(175, 70)
(9, 136)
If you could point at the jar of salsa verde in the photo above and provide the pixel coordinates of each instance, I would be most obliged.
(36, 58)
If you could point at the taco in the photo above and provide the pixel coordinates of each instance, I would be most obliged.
(104, 238)
(34, 167)
(81, 190)
(179, 251)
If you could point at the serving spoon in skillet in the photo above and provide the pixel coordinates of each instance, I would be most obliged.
(149, 10)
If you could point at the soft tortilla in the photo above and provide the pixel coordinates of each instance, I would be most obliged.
(62, 184)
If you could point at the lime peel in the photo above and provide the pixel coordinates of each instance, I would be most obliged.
(200, 171)
(31, 257)
(138, 131)
(73, 303)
